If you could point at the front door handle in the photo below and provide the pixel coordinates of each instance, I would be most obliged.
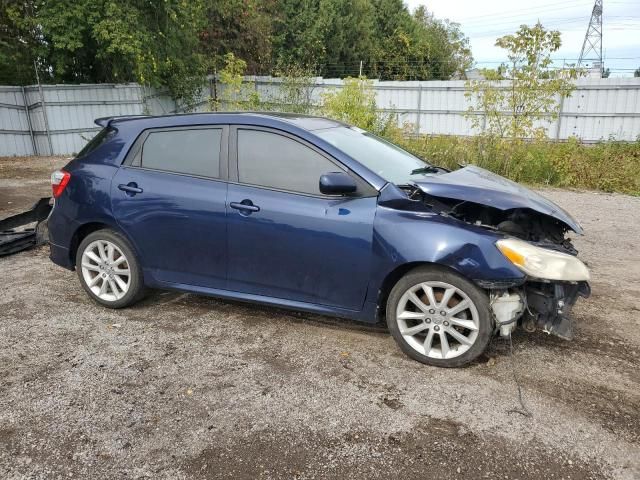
(131, 188)
(246, 205)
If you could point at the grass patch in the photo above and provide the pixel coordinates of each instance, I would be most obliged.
(608, 166)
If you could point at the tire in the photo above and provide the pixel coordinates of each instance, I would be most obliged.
(109, 270)
(418, 319)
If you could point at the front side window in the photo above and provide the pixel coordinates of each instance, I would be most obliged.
(192, 152)
(271, 160)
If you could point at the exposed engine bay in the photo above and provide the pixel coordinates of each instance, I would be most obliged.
(522, 223)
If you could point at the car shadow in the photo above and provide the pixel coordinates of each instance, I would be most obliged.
(255, 314)
(251, 312)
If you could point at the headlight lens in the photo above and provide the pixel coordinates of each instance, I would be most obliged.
(542, 263)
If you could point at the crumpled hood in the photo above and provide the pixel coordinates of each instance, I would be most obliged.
(475, 184)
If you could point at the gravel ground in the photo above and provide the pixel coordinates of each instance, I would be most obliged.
(182, 386)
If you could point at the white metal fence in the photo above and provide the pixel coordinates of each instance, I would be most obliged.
(58, 119)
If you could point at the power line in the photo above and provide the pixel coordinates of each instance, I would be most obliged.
(520, 17)
(505, 30)
(524, 11)
(531, 11)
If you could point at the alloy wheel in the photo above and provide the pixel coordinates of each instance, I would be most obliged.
(437, 320)
(106, 270)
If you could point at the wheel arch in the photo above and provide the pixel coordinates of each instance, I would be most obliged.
(88, 228)
(396, 274)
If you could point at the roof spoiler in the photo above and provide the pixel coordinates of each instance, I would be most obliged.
(105, 121)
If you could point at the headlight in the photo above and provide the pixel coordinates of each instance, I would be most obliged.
(542, 263)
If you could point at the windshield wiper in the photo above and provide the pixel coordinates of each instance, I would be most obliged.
(425, 169)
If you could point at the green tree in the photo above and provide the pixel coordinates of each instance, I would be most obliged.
(174, 43)
(18, 47)
(520, 107)
(355, 103)
(241, 27)
(637, 73)
(394, 36)
(295, 90)
(295, 39)
(334, 35)
(417, 46)
(345, 29)
(235, 94)
(154, 43)
(443, 50)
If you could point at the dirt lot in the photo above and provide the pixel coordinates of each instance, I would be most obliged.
(183, 386)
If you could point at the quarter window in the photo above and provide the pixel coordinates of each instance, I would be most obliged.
(272, 160)
(96, 142)
(192, 152)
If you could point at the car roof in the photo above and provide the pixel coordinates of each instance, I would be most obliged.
(305, 122)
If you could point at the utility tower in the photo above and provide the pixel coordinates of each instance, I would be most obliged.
(592, 45)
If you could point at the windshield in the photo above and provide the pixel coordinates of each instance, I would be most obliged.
(389, 161)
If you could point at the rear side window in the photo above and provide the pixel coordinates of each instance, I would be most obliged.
(272, 160)
(192, 152)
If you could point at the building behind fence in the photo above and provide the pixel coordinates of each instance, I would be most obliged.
(58, 119)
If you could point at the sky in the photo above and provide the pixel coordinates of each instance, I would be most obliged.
(482, 21)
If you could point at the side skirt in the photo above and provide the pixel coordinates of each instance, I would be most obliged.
(366, 315)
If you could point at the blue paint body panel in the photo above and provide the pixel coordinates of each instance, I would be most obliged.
(178, 224)
(302, 248)
(329, 255)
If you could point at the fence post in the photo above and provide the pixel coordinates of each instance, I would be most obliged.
(44, 110)
(142, 95)
(559, 121)
(419, 111)
(26, 110)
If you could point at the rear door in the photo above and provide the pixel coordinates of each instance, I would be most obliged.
(169, 197)
(286, 239)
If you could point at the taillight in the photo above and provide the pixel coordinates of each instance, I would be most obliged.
(59, 181)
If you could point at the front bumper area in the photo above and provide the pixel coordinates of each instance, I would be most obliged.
(544, 305)
(549, 306)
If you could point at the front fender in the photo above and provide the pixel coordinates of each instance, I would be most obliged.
(402, 237)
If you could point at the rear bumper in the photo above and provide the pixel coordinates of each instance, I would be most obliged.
(61, 228)
(60, 256)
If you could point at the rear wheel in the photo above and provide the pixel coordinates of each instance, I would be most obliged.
(438, 317)
(108, 269)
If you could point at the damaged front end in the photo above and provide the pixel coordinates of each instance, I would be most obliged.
(535, 240)
(537, 305)
(549, 306)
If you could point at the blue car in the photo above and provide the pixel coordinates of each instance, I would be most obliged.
(315, 215)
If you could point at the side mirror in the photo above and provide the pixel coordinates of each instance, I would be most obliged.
(337, 183)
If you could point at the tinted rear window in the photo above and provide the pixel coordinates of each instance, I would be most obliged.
(102, 136)
(192, 152)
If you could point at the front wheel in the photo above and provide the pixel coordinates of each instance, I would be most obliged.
(108, 269)
(438, 317)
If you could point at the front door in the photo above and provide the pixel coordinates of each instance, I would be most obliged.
(169, 197)
(286, 239)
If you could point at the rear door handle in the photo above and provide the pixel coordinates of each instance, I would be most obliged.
(245, 205)
(130, 187)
